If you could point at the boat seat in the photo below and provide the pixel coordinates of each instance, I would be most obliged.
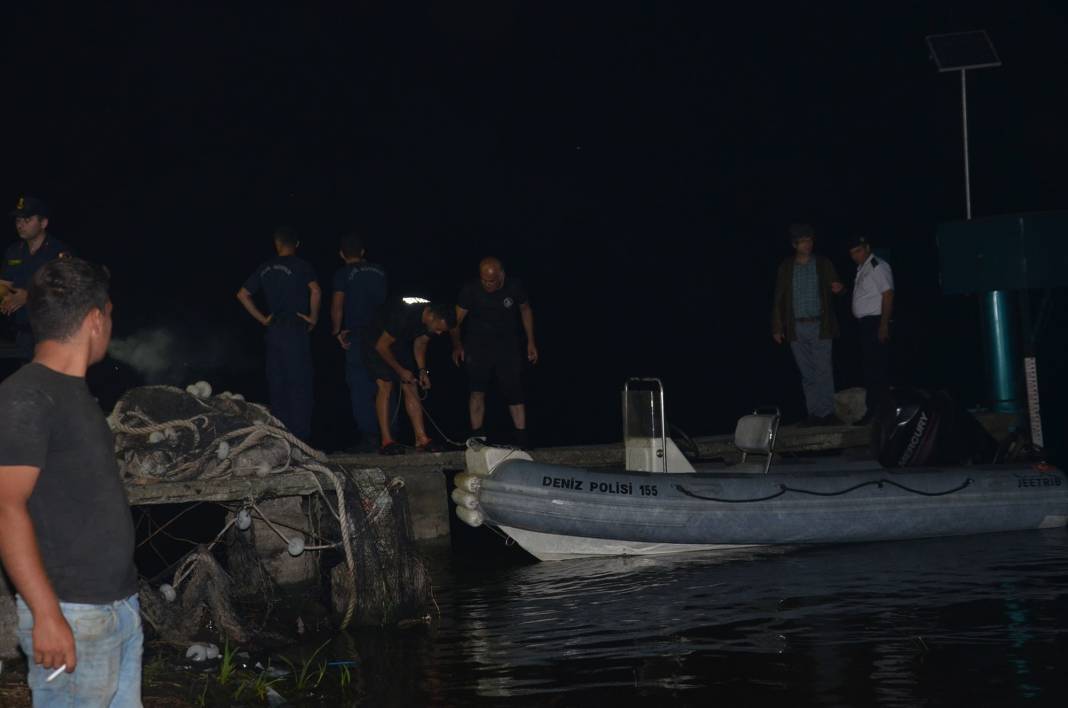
(755, 434)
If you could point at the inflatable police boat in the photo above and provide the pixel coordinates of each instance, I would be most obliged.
(661, 504)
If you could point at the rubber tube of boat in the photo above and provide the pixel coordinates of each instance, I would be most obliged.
(468, 482)
(464, 499)
(471, 517)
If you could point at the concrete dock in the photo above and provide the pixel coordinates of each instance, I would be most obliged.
(427, 484)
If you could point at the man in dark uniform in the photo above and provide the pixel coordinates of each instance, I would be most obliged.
(490, 345)
(34, 248)
(395, 352)
(359, 291)
(293, 295)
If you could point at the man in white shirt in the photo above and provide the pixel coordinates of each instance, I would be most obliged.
(873, 306)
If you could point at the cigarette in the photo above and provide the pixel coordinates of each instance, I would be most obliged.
(56, 673)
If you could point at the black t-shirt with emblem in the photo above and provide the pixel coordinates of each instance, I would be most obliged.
(492, 315)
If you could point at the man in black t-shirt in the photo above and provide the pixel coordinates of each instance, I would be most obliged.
(490, 345)
(66, 534)
(293, 296)
(395, 352)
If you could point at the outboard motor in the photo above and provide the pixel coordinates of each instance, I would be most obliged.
(916, 428)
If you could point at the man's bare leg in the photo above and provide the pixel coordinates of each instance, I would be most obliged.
(414, 406)
(519, 415)
(477, 407)
(385, 388)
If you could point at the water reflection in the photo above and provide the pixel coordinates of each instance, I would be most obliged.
(894, 624)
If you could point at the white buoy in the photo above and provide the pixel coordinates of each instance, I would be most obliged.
(224, 450)
(244, 520)
(469, 482)
(197, 652)
(464, 499)
(155, 436)
(168, 592)
(296, 546)
(471, 517)
(205, 389)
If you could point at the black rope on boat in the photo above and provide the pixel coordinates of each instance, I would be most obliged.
(783, 489)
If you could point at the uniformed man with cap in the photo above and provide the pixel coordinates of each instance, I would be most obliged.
(34, 248)
(293, 295)
(873, 306)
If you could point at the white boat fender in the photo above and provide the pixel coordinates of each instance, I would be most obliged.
(471, 517)
(468, 482)
(296, 546)
(464, 499)
(483, 459)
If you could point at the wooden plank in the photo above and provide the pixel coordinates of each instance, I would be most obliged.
(286, 484)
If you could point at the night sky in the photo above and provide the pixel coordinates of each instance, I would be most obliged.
(636, 164)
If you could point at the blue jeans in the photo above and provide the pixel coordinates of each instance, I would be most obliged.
(107, 643)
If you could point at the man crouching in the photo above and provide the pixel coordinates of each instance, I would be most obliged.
(66, 533)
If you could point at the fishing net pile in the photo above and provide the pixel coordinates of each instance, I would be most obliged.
(169, 434)
(357, 523)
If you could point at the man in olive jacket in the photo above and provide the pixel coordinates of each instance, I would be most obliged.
(803, 315)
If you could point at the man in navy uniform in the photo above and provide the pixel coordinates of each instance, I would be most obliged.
(491, 306)
(873, 306)
(359, 290)
(293, 295)
(22, 259)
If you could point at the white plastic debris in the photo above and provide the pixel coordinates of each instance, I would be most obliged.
(224, 450)
(197, 652)
(244, 520)
(212, 651)
(155, 437)
(168, 592)
(296, 546)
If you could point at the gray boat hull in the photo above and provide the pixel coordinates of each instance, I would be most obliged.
(813, 503)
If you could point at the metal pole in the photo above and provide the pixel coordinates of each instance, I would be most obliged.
(964, 120)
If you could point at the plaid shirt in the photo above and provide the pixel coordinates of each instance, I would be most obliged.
(806, 290)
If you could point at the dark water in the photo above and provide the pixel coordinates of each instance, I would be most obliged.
(965, 621)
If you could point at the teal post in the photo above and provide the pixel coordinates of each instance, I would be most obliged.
(1000, 345)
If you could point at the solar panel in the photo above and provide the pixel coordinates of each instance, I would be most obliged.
(962, 50)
